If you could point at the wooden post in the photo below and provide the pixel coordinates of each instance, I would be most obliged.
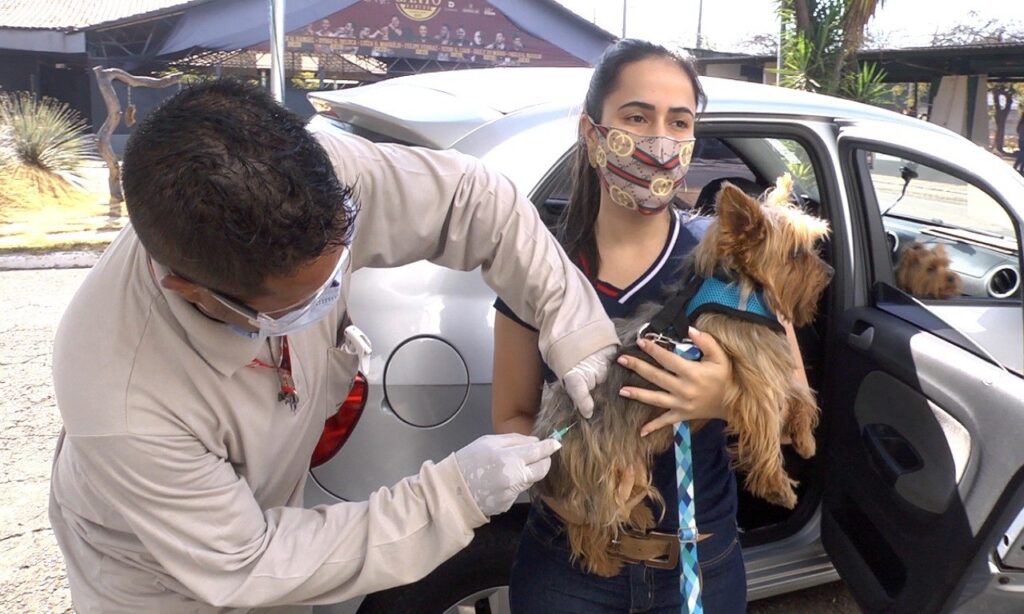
(105, 78)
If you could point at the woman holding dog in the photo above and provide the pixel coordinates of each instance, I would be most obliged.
(630, 242)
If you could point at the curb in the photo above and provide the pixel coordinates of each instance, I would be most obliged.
(53, 260)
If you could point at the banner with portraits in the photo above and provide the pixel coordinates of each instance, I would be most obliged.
(461, 31)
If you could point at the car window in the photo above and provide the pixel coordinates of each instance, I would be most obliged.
(714, 162)
(951, 246)
(552, 196)
(767, 158)
(948, 239)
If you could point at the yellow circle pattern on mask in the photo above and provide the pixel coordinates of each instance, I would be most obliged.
(661, 187)
(621, 197)
(620, 143)
(685, 154)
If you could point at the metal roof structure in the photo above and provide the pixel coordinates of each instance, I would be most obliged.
(999, 61)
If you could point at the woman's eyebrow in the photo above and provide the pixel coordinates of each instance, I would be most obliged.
(636, 103)
(650, 107)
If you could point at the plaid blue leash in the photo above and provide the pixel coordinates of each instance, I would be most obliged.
(689, 577)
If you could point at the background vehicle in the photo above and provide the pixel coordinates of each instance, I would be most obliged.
(923, 505)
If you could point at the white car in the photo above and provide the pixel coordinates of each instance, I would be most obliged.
(917, 492)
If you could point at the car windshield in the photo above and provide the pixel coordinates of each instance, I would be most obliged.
(793, 158)
(910, 191)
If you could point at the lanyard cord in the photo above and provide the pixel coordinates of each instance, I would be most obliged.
(287, 393)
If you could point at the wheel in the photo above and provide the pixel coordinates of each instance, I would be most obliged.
(474, 581)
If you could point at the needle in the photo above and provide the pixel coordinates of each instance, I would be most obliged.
(557, 434)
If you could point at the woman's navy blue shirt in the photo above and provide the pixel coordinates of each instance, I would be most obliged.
(714, 482)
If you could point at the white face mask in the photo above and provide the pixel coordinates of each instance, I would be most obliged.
(299, 316)
(297, 320)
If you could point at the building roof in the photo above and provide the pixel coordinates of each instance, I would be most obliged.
(81, 14)
(999, 61)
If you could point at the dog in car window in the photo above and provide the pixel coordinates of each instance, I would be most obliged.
(762, 251)
(926, 273)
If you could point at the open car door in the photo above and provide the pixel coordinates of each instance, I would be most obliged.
(923, 400)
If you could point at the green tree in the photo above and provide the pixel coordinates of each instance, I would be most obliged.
(820, 39)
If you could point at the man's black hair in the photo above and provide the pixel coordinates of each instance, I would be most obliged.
(225, 187)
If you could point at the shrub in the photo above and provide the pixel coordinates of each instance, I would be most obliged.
(7, 155)
(46, 134)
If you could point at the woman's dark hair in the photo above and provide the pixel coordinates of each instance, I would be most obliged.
(578, 221)
(226, 187)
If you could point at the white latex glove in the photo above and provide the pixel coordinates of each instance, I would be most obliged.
(582, 378)
(499, 467)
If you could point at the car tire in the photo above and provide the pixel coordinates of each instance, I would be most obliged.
(474, 580)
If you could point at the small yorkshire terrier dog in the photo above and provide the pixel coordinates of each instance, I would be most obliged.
(602, 475)
(925, 273)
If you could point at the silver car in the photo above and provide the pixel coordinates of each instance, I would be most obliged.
(916, 498)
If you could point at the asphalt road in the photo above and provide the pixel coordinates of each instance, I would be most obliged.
(32, 577)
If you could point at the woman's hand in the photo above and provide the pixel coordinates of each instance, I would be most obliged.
(691, 390)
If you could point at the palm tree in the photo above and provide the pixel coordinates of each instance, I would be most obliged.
(819, 47)
(857, 15)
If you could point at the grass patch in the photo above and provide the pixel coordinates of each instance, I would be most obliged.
(41, 211)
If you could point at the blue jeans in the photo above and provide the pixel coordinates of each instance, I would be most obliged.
(543, 580)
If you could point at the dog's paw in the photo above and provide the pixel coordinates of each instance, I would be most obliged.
(786, 499)
(641, 517)
(800, 420)
(803, 442)
(606, 568)
(772, 486)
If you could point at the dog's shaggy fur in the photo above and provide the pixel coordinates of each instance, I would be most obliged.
(925, 273)
(602, 475)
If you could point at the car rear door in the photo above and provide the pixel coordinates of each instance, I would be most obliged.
(923, 429)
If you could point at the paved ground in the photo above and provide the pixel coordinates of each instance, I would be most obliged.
(31, 569)
(32, 575)
(827, 599)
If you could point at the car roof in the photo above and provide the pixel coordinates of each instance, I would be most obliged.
(437, 109)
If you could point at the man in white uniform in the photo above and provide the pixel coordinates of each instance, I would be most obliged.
(197, 363)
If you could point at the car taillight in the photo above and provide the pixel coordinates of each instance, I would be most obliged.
(338, 427)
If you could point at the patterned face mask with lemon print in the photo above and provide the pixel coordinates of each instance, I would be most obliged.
(642, 173)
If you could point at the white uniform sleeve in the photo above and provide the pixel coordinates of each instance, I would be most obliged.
(451, 209)
(199, 520)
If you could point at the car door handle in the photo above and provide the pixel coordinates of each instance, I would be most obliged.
(890, 452)
(862, 336)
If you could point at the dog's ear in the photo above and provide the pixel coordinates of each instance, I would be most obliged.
(913, 252)
(742, 225)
